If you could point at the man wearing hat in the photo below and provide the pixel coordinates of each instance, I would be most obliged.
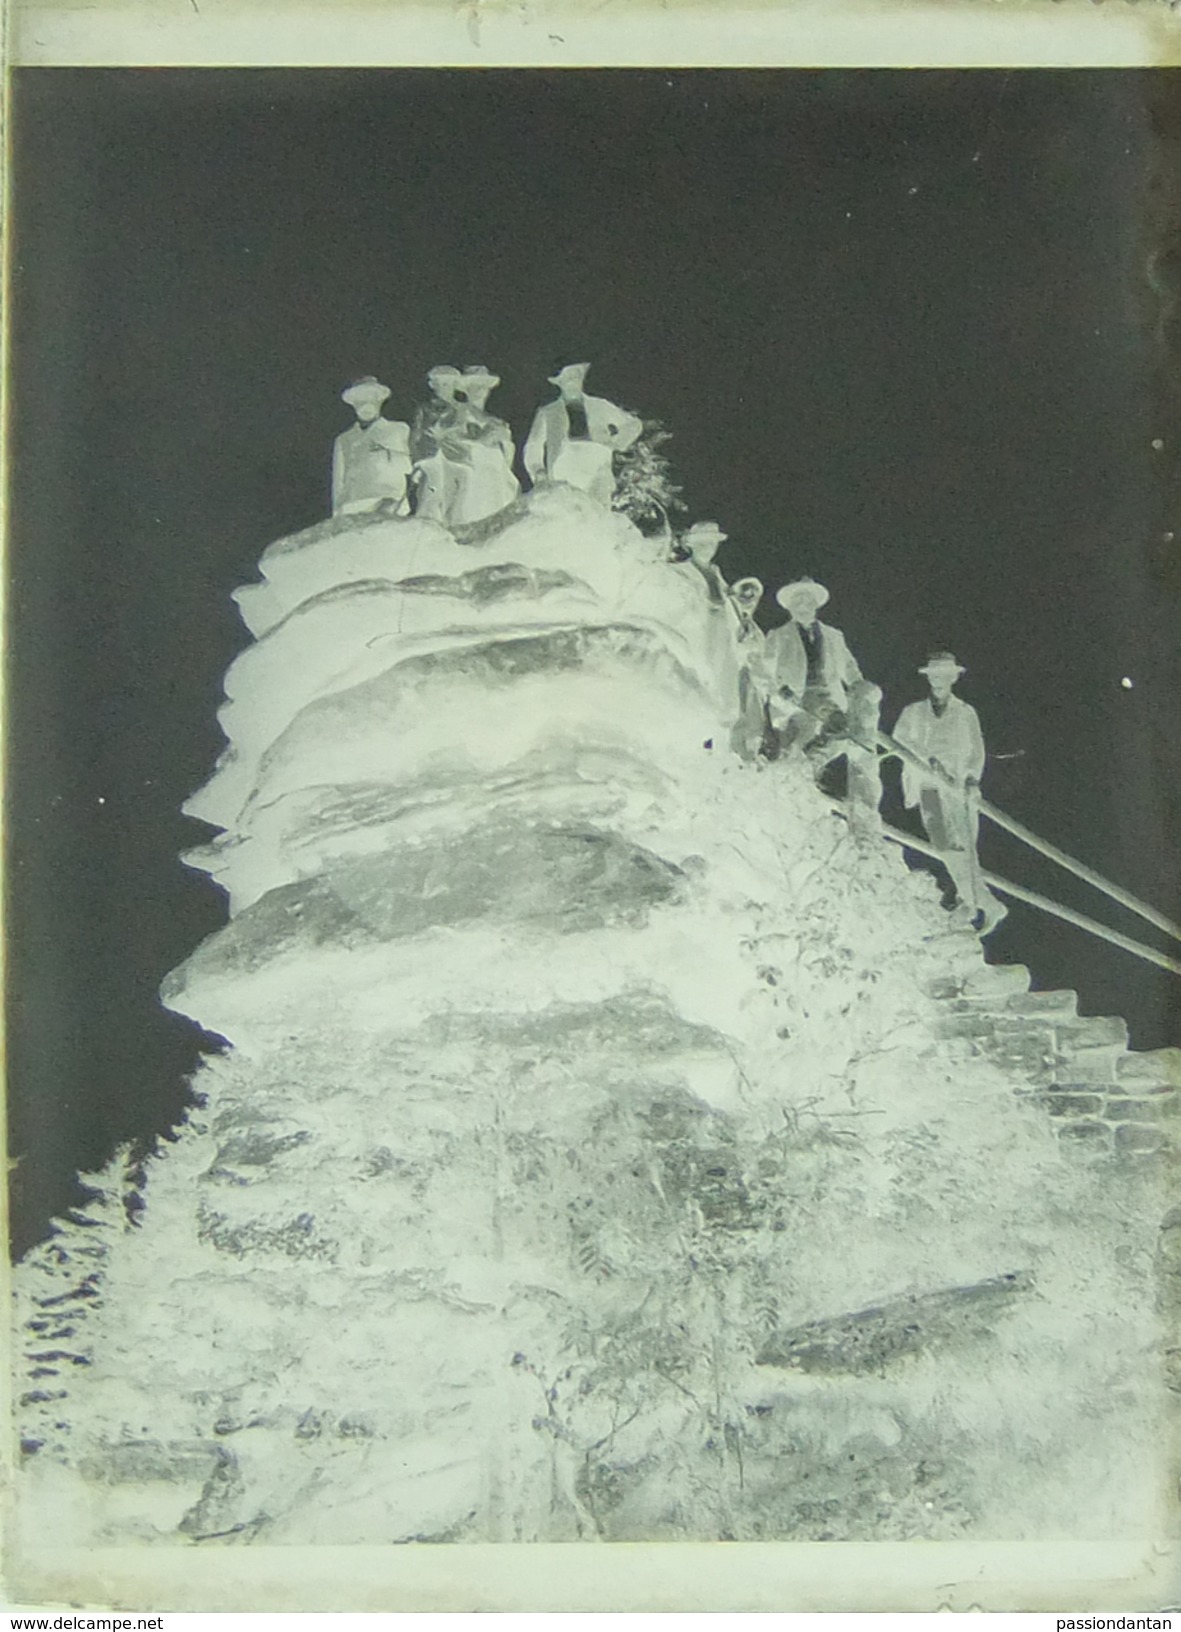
(572, 439)
(371, 460)
(944, 732)
(752, 728)
(463, 454)
(696, 548)
(810, 669)
(437, 445)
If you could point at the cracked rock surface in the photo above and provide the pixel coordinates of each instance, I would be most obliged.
(608, 1145)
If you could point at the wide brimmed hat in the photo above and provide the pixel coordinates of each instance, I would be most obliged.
(942, 661)
(441, 372)
(477, 374)
(562, 366)
(368, 389)
(815, 592)
(742, 587)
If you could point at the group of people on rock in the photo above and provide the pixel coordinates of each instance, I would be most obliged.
(800, 689)
(455, 463)
(801, 692)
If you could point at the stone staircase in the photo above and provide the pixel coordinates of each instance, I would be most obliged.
(1105, 1098)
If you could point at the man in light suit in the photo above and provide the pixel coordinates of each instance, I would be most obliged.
(573, 438)
(943, 732)
(371, 460)
(810, 669)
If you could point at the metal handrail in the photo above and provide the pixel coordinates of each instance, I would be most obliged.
(1051, 851)
(1033, 899)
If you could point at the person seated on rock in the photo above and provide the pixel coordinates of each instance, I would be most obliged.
(943, 733)
(573, 439)
(371, 460)
(810, 669)
(438, 446)
(483, 483)
(752, 725)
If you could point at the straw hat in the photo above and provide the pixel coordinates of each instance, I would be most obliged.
(942, 662)
(703, 541)
(751, 589)
(443, 374)
(564, 367)
(477, 374)
(801, 588)
(368, 389)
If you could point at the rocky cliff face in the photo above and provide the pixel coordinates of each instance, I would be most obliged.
(608, 1144)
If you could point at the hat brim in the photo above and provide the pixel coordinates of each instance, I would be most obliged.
(791, 593)
(943, 668)
(556, 379)
(369, 394)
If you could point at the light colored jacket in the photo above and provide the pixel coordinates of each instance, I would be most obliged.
(370, 462)
(787, 662)
(608, 425)
(953, 738)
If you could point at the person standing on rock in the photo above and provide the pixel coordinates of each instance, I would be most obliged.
(696, 548)
(752, 727)
(438, 446)
(943, 732)
(371, 460)
(810, 669)
(573, 439)
(463, 454)
(485, 484)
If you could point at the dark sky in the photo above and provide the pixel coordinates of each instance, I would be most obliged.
(906, 329)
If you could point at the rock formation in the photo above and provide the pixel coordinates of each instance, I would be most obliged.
(608, 1143)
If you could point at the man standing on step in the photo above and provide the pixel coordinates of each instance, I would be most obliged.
(943, 732)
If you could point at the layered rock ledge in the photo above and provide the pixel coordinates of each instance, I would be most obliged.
(608, 1144)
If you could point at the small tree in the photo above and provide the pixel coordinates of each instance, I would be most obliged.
(644, 489)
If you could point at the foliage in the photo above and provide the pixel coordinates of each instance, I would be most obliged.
(644, 488)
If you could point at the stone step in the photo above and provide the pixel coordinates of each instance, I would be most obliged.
(1091, 1136)
(1140, 1139)
(1092, 1031)
(984, 980)
(1104, 1098)
(1134, 1108)
(1154, 1065)
(1070, 1100)
(998, 979)
(1039, 1005)
(1085, 1065)
(1129, 1139)
(1117, 1093)
(1015, 1009)
(966, 1019)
